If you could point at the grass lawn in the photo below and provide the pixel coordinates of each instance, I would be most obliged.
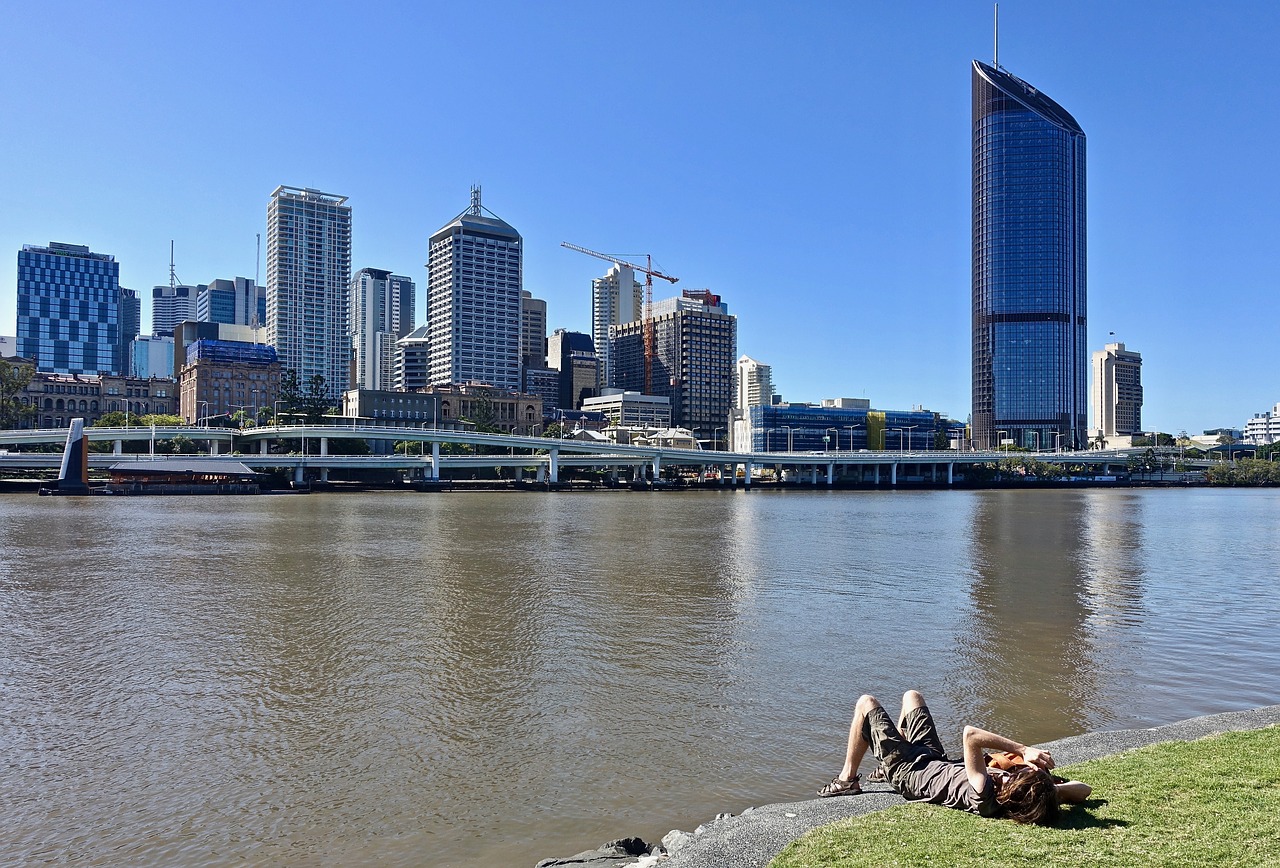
(1215, 801)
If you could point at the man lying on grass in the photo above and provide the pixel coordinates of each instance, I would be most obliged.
(1014, 783)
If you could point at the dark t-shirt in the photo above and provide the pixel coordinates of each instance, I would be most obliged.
(946, 783)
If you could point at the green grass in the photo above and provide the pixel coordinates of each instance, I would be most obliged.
(1215, 801)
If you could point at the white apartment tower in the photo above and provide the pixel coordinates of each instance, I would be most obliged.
(171, 305)
(380, 313)
(616, 298)
(308, 274)
(755, 384)
(474, 275)
(1117, 391)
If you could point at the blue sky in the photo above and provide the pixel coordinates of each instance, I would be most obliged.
(807, 161)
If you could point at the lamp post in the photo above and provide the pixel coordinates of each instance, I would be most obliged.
(1000, 431)
(1057, 441)
(850, 428)
(198, 414)
(906, 429)
(885, 444)
(1037, 433)
(827, 440)
(715, 438)
(275, 411)
(790, 441)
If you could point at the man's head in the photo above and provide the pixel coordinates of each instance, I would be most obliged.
(1027, 794)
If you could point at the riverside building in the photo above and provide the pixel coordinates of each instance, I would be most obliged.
(474, 273)
(71, 310)
(616, 298)
(381, 313)
(239, 301)
(1117, 395)
(171, 305)
(1030, 359)
(308, 274)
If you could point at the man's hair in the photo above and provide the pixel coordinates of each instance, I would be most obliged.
(1028, 794)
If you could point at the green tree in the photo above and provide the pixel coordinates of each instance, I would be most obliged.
(13, 380)
(314, 402)
(290, 390)
(118, 419)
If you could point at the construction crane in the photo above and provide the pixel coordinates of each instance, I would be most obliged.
(649, 275)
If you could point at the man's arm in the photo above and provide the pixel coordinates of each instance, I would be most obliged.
(977, 741)
(1073, 792)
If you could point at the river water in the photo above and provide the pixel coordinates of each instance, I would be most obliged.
(487, 679)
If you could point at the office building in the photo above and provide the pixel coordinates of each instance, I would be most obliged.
(488, 406)
(616, 298)
(69, 309)
(754, 383)
(171, 305)
(130, 324)
(238, 301)
(308, 273)
(380, 314)
(219, 378)
(1262, 429)
(393, 407)
(533, 331)
(695, 351)
(1030, 359)
(474, 272)
(413, 361)
(151, 356)
(543, 383)
(631, 409)
(55, 399)
(829, 427)
(573, 354)
(1117, 393)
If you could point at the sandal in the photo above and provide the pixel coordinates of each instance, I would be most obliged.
(840, 787)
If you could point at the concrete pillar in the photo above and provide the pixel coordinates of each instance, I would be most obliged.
(324, 474)
(877, 474)
(657, 467)
(262, 447)
(951, 466)
(746, 474)
(435, 460)
(297, 473)
(723, 470)
(813, 475)
(613, 474)
(831, 474)
(118, 449)
(324, 445)
(519, 474)
(553, 470)
(893, 474)
(213, 447)
(542, 473)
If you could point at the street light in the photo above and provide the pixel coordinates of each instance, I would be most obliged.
(850, 428)
(827, 440)
(1037, 433)
(885, 440)
(198, 414)
(790, 441)
(715, 438)
(1000, 431)
(1057, 441)
(907, 428)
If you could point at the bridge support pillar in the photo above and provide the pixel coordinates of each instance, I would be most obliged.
(813, 475)
(951, 470)
(519, 474)
(118, 448)
(553, 466)
(297, 474)
(723, 470)
(893, 474)
(213, 447)
(541, 475)
(324, 474)
(324, 445)
(435, 460)
(877, 480)
(746, 474)
(831, 474)
(262, 447)
(657, 468)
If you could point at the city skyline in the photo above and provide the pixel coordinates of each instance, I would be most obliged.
(872, 189)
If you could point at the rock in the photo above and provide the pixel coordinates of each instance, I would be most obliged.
(675, 839)
(723, 816)
(626, 847)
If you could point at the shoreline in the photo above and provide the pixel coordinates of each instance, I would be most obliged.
(754, 837)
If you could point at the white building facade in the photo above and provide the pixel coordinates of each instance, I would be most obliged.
(474, 276)
(1264, 428)
(171, 305)
(616, 298)
(380, 314)
(308, 274)
(1117, 392)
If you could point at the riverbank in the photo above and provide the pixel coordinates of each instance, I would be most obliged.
(753, 838)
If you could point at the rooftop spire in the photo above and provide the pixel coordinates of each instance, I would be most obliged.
(996, 48)
(475, 208)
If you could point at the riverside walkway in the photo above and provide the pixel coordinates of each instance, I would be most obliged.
(545, 456)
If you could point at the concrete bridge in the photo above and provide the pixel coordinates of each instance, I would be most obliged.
(252, 447)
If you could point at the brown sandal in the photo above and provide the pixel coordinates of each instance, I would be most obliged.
(840, 787)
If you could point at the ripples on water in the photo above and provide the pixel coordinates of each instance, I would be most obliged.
(490, 679)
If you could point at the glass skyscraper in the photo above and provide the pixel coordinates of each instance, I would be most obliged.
(69, 310)
(1030, 359)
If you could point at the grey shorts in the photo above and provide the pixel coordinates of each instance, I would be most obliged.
(907, 750)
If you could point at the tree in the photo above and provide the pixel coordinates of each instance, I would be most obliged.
(314, 402)
(13, 380)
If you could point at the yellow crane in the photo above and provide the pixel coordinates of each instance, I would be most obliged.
(649, 275)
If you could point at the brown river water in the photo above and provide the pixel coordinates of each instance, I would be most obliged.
(487, 679)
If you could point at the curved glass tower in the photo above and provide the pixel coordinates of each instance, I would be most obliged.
(1030, 360)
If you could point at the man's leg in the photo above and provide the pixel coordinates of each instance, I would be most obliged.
(911, 699)
(915, 722)
(858, 744)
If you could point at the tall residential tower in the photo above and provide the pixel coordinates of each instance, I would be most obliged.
(381, 313)
(616, 298)
(1030, 360)
(308, 271)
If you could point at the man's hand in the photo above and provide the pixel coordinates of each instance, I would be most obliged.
(1041, 758)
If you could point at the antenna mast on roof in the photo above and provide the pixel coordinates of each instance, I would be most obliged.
(475, 208)
(996, 48)
(173, 276)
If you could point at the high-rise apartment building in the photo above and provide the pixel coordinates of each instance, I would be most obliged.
(171, 305)
(413, 361)
(695, 347)
(616, 298)
(239, 301)
(1117, 391)
(1030, 359)
(474, 273)
(69, 310)
(130, 325)
(380, 313)
(573, 354)
(533, 331)
(754, 384)
(308, 273)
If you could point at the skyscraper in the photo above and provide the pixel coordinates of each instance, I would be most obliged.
(381, 312)
(573, 354)
(1117, 391)
(308, 272)
(533, 331)
(755, 384)
(1030, 360)
(616, 298)
(69, 310)
(239, 301)
(474, 273)
(171, 305)
(695, 345)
